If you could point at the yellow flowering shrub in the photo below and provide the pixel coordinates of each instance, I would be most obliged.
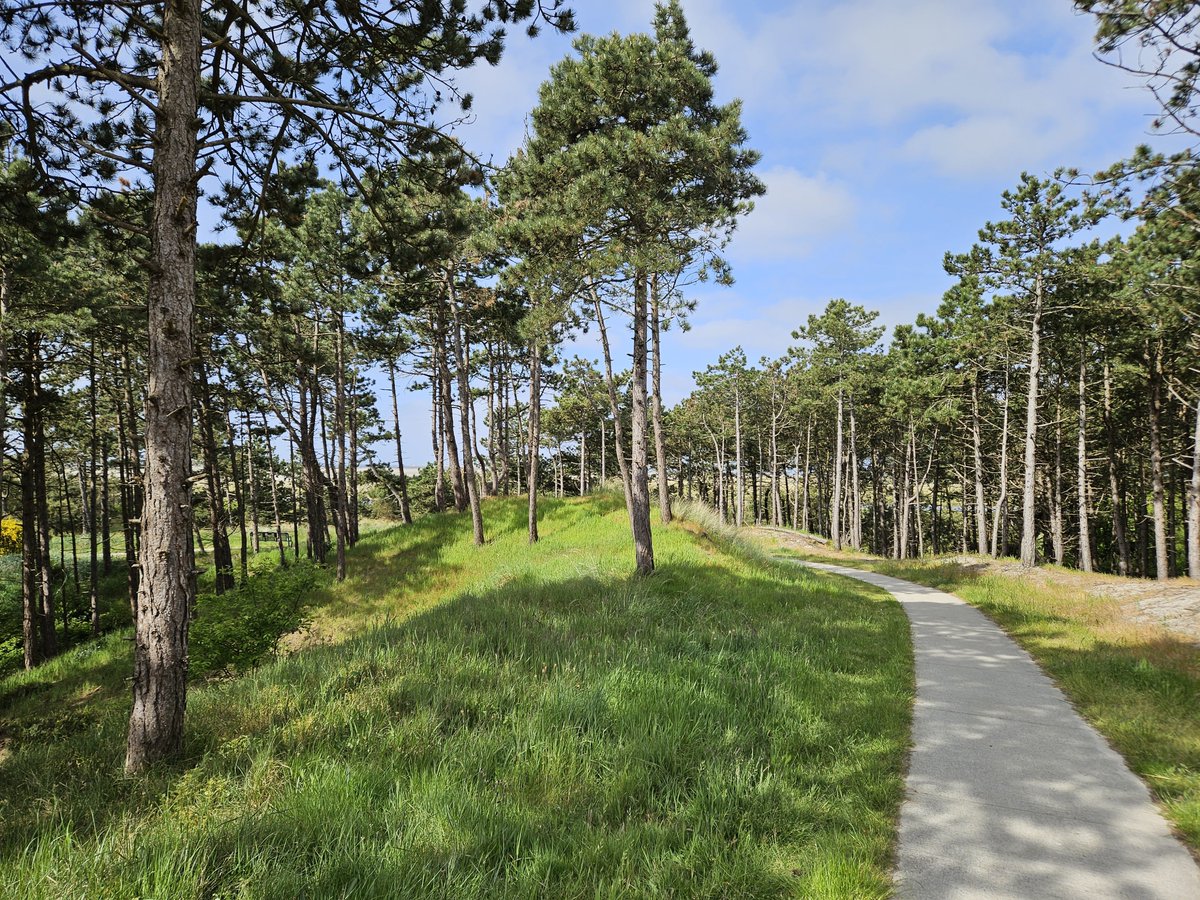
(10, 535)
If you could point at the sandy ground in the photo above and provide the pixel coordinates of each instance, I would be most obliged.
(1174, 604)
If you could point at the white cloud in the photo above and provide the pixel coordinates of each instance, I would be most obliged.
(997, 144)
(1010, 83)
(797, 212)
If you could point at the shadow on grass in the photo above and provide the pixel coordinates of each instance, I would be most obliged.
(715, 729)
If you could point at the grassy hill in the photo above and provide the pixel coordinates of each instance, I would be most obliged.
(501, 721)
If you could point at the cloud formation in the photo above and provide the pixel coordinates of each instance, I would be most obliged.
(797, 213)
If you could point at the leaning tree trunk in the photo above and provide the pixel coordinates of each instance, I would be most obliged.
(614, 407)
(643, 548)
(449, 441)
(464, 418)
(1028, 499)
(167, 580)
(405, 507)
(660, 444)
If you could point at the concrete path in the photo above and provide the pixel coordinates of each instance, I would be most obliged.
(1010, 794)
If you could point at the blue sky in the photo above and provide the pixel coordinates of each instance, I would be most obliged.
(887, 129)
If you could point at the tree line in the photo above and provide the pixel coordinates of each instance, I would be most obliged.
(1049, 409)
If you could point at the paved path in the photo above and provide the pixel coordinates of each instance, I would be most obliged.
(1010, 794)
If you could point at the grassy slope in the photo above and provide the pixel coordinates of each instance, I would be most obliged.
(508, 721)
(1139, 685)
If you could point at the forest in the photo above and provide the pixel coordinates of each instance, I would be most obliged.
(194, 430)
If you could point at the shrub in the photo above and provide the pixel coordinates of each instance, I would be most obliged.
(10, 535)
(239, 629)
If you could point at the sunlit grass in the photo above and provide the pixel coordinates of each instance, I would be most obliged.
(506, 721)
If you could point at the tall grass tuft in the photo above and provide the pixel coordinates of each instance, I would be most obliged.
(731, 539)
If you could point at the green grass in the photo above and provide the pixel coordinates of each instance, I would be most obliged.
(1139, 686)
(505, 721)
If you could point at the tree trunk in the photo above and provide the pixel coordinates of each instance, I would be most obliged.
(352, 417)
(583, 462)
(222, 554)
(295, 498)
(464, 417)
(1028, 499)
(656, 412)
(274, 491)
(977, 448)
(998, 513)
(737, 439)
(124, 483)
(1193, 501)
(1056, 497)
(614, 407)
(1162, 568)
(93, 497)
(535, 433)
(907, 491)
(251, 481)
(835, 508)
(32, 560)
(856, 496)
(1116, 488)
(105, 510)
(130, 478)
(340, 498)
(315, 479)
(1085, 530)
(643, 547)
(448, 439)
(755, 466)
(167, 581)
(918, 491)
(807, 469)
(603, 451)
(405, 506)
(776, 499)
(239, 495)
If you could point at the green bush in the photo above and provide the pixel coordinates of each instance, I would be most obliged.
(237, 630)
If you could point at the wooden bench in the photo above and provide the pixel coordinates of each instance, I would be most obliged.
(275, 537)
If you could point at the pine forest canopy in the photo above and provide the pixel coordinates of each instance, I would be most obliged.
(180, 417)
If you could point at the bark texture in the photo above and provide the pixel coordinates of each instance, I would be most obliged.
(167, 583)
